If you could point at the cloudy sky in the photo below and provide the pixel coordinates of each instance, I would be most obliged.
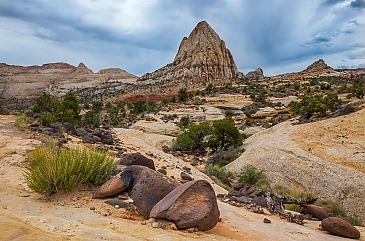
(143, 35)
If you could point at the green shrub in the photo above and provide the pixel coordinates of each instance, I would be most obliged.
(250, 175)
(289, 192)
(194, 138)
(358, 88)
(183, 122)
(316, 104)
(292, 207)
(53, 169)
(91, 118)
(354, 220)
(225, 134)
(97, 106)
(223, 157)
(183, 95)
(335, 209)
(70, 109)
(220, 173)
(47, 118)
(52, 109)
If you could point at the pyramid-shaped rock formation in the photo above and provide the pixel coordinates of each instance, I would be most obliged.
(82, 69)
(202, 57)
(319, 66)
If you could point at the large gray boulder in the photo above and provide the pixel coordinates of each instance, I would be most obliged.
(190, 205)
(148, 188)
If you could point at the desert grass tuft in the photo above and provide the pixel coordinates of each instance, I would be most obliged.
(22, 122)
(54, 169)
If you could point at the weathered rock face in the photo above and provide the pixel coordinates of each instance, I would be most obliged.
(202, 57)
(319, 66)
(148, 188)
(190, 205)
(340, 227)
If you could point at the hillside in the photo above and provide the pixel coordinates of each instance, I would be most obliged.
(325, 158)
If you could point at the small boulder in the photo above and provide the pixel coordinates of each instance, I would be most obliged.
(88, 139)
(267, 220)
(136, 159)
(339, 227)
(81, 132)
(115, 185)
(190, 205)
(70, 128)
(235, 193)
(315, 211)
(96, 139)
(242, 199)
(237, 186)
(107, 141)
(148, 188)
(261, 201)
(185, 176)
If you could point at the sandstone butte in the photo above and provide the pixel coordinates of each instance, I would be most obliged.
(202, 57)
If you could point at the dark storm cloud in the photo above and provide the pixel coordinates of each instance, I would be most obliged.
(358, 4)
(144, 35)
(333, 2)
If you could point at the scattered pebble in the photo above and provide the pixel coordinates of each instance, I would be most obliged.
(267, 220)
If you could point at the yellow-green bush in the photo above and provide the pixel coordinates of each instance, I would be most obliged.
(22, 122)
(53, 169)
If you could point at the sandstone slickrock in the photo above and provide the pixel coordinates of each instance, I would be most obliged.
(136, 159)
(115, 185)
(148, 188)
(338, 226)
(202, 57)
(190, 205)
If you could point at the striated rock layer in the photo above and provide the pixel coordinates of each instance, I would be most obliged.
(202, 58)
(20, 86)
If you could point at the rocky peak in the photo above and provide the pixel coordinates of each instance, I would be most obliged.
(255, 75)
(82, 69)
(202, 57)
(318, 66)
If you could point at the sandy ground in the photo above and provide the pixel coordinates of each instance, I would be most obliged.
(25, 215)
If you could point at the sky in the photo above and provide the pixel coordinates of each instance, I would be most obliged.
(141, 36)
